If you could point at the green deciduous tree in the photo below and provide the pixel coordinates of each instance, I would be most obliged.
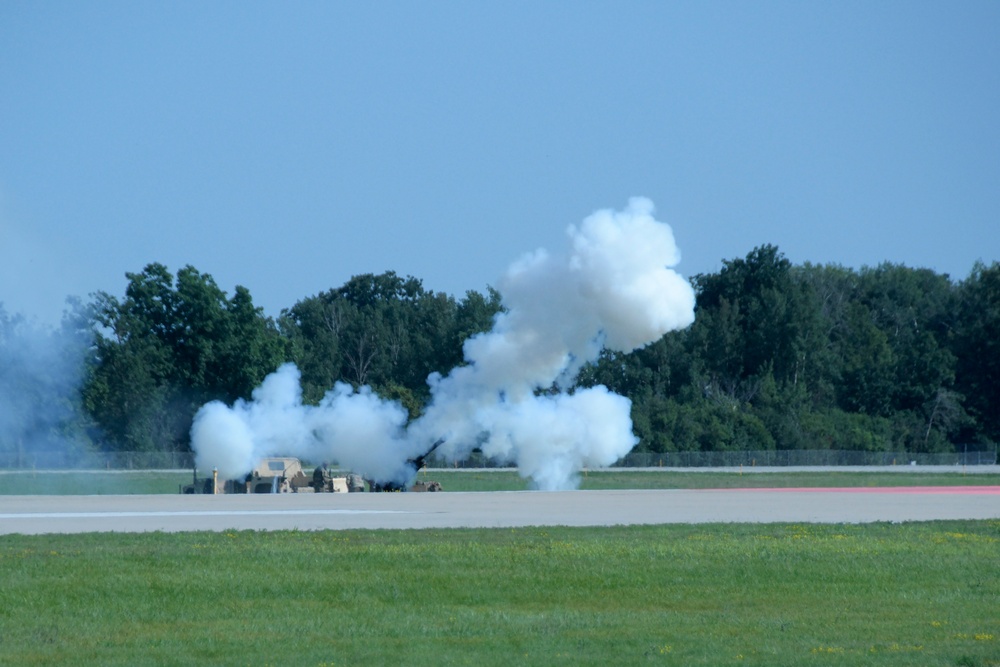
(384, 331)
(977, 348)
(167, 348)
(753, 316)
(779, 356)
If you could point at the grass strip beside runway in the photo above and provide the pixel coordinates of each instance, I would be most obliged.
(165, 482)
(876, 594)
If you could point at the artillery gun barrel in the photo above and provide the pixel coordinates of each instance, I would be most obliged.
(419, 461)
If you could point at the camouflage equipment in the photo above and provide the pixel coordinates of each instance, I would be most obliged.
(354, 483)
(426, 486)
(285, 475)
(417, 464)
(322, 478)
(270, 475)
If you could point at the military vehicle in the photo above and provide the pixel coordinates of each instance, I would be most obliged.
(323, 481)
(270, 475)
(285, 475)
(276, 475)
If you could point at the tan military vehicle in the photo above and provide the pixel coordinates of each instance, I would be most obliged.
(270, 475)
(283, 474)
(276, 475)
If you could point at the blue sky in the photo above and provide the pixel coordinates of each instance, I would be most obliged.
(288, 146)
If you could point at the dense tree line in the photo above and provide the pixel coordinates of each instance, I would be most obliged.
(167, 348)
(780, 356)
(171, 345)
(383, 331)
(821, 357)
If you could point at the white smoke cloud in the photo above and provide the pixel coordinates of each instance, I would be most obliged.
(553, 437)
(223, 439)
(357, 428)
(613, 289)
(41, 371)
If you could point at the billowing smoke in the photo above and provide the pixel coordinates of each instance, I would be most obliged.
(356, 428)
(41, 370)
(515, 397)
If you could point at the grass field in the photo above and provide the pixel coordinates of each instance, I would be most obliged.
(143, 482)
(654, 479)
(923, 594)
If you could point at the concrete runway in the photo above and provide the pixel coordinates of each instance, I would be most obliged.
(168, 513)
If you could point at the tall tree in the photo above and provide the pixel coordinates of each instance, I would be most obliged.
(977, 348)
(251, 346)
(752, 317)
(167, 348)
(385, 331)
(314, 327)
(912, 308)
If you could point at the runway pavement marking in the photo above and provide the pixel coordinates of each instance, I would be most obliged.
(950, 490)
(189, 513)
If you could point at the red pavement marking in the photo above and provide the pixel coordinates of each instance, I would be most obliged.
(953, 490)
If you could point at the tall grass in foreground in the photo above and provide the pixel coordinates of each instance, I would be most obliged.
(879, 594)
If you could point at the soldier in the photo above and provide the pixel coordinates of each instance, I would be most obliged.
(322, 477)
(354, 483)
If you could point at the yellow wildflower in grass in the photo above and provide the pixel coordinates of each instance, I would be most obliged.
(983, 637)
(896, 647)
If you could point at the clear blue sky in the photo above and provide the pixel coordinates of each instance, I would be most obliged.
(287, 146)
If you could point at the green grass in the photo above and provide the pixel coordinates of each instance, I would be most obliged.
(140, 482)
(625, 479)
(96, 483)
(923, 594)
(506, 480)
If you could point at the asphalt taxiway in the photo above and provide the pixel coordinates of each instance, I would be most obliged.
(170, 513)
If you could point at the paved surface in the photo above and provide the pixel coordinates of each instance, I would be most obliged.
(985, 469)
(990, 469)
(74, 514)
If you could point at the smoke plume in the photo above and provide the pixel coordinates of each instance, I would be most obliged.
(514, 398)
(41, 370)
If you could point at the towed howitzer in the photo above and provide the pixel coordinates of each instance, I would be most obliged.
(418, 462)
